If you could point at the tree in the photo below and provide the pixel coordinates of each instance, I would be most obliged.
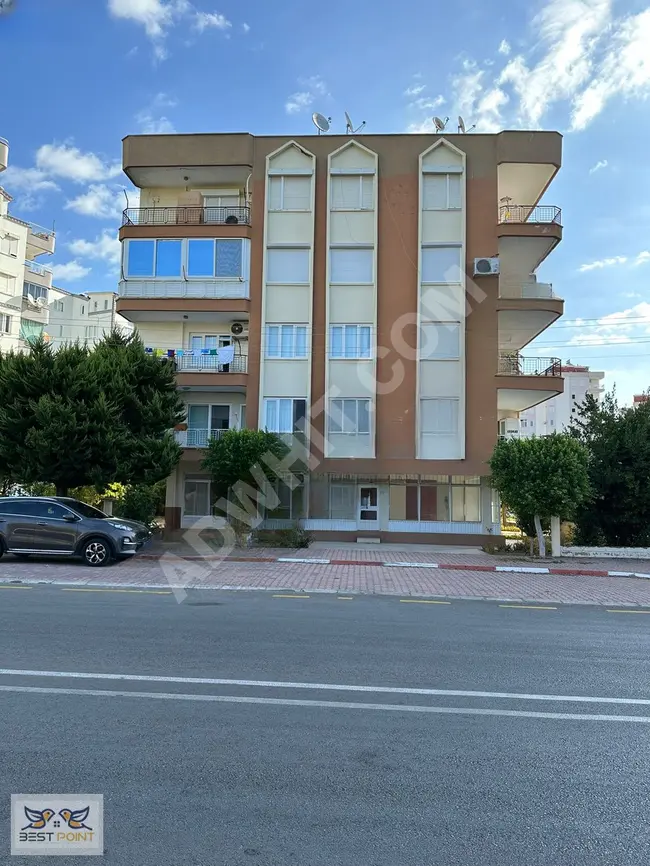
(618, 442)
(239, 465)
(79, 417)
(542, 477)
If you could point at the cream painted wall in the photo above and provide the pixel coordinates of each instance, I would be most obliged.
(440, 379)
(289, 227)
(353, 157)
(161, 335)
(442, 303)
(352, 227)
(437, 447)
(352, 305)
(286, 378)
(12, 269)
(442, 225)
(287, 304)
(291, 157)
(344, 445)
(168, 197)
(442, 156)
(352, 378)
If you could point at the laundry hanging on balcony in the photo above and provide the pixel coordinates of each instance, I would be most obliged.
(224, 354)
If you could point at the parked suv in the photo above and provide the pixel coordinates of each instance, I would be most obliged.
(60, 526)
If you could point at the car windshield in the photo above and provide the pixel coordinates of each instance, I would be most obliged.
(83, 508)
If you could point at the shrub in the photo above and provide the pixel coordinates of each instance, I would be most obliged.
(141, 502)
(294, 536)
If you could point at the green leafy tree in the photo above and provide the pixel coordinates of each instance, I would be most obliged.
(542, 477)
(618, 442)
(241, 470)
(79, 417)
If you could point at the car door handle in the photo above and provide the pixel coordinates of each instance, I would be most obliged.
(41, 523)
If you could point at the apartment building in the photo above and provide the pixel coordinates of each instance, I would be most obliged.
(378, 288)
(557, 414)
(83, 317)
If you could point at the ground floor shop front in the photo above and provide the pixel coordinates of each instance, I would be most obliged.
(426, 508)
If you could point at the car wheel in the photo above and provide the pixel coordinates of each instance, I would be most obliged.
(96, 552)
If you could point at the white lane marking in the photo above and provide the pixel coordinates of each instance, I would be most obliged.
(522, 570)
(342, 705)
(333, 687)
(411, 564)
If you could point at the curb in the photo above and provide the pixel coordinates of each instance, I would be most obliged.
(518, 569)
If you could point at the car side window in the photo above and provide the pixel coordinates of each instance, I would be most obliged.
(50, 509)
(10, 507)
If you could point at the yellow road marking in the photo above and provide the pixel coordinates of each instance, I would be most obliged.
(629, 610)
(13, 586)
(137, 591)
(528, 606)
(421, 601)
(345, 597)
(291, 596)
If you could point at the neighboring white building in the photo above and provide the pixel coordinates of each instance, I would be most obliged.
(29, 304)
(557, 413)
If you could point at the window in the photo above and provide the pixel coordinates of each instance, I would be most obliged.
(352, 192)
(5, 323)
(9, 245)
(552, 423)
(30, 331)
(289, 193)
(200, 258)
(91, 332)
(466, 503)
(140, 258)
(441, 191)
(350, 341)
(105, 305)
(573, 396)
(440, 341)
(7, 284)
(288, 266)
(441, 264)
(286, 341)
(284, 415)
(221, 200)
(229, 258)
(343, 502)
(34, 291)
(96, 305)
(439, 416)
(351, 266)
(59, 307)
(83, 309)
(349, 416)
(168, 258)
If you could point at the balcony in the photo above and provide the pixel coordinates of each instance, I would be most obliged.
(525, 310)
(4, 153)
(40, 275)
(196, 437)
(525, 382)
(186, 216)
(540, 214)
(210, 364)
(40, 240)
(527, 234)
(205, 372)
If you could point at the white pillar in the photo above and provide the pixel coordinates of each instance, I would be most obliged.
(555, 536)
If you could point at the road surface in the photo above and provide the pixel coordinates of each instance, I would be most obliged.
(468, 732)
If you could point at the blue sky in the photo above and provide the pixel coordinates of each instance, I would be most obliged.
(81, 74)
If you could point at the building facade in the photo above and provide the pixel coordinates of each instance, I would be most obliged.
(557, 414)
(376, 289)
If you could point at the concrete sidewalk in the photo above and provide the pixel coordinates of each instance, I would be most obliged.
(259, 573)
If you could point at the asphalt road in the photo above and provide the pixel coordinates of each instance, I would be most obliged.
(524, 738)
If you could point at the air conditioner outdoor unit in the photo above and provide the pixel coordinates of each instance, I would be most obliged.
(239, 329)
(485, 267)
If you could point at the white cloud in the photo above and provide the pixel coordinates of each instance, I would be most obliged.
(28, 179)
(99, 200)
(602, 163)
(246, 27)
(619, 328)
(603, 263)
(504, 47)
(313, 87)
(67, 161)
(642, 258)
(414, 90)
(212, 20)
(156, 16)
(70, 271)
(150, 125)
(105, 247)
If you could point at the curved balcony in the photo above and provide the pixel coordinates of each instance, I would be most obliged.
(186, 216)
(525, 382)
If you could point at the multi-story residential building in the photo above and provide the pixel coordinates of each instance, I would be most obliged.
(379, 288)
(24, 282)
(639, 399)
(83, 317)
(557, 414)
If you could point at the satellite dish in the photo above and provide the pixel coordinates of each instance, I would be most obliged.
(349, 126)
(321, 122)
(461, 124)
(440, 124)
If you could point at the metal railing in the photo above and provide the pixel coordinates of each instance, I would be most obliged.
(164, 216)
(41, 231)
(196, 437)
(37, 268)
(513, 364)
(210, 364)
(526, 213)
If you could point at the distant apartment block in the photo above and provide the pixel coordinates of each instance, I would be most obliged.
(380, 288)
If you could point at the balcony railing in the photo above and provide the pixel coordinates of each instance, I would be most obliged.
(513, 364)
(164, 216)
(37, 268)
(209, 364)
(526, 213)
(196, 437)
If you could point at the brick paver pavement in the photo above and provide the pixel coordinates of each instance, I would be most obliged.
(357, 578)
